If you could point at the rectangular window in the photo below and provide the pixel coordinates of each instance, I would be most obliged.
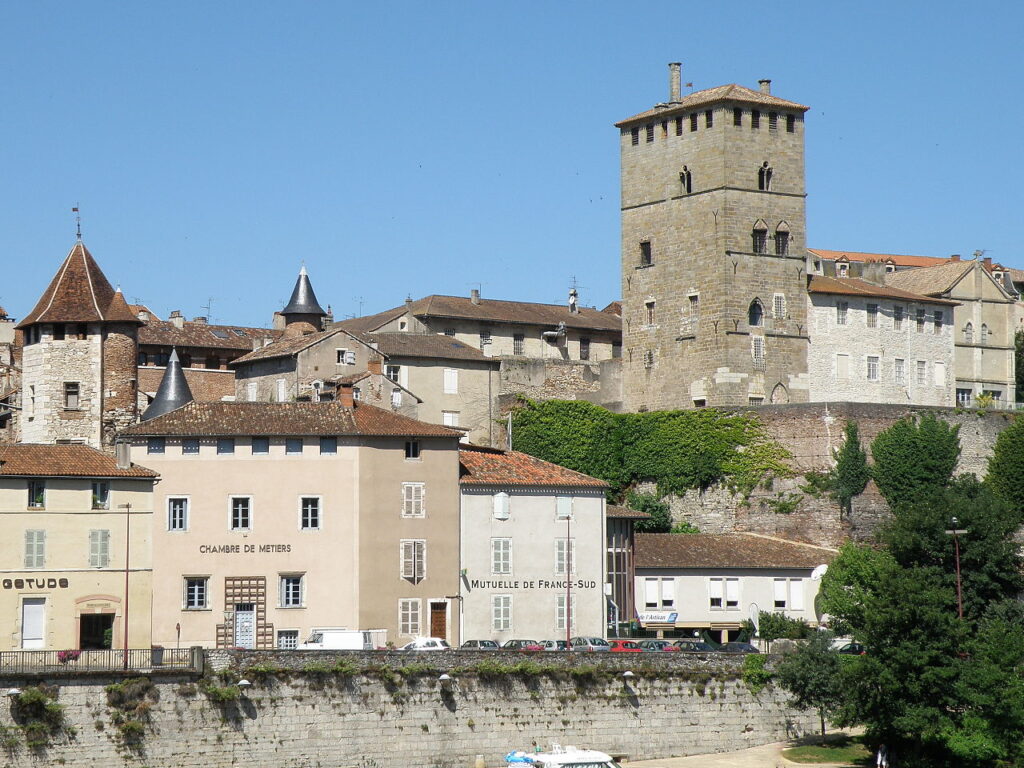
(938, 322)
(288, 639)
(451, 381)
(449, 331)
(964, 398)
(36, 494)
(241, 513)
(412, 449)
(396, 398)
(716, 594)
(790, 123)
(760, 241)
(412, 500)
(260, 446)
(100, 494)
(225, 446)
(450, 418)
(565, 549)
(668, 593)
(841, 309)
(842, 367)
(679, 126)
(939, 373)
(251, 391)
(584, 348)
(897, 318)
(693, 122)
(35, 549)
(310, 514)
(414, 559)
(752, 400)
(501, 613)
(646, 255)
(634, 136)
(664, 128)
(345, 357)
(694, 306)
(99, 549)
(773, 121)
(328, 446)
(757, 352)
(779, 306)
(737, 116)
(782, 243)
(649, 312)
(899, 371)
(732, 594)
(291, 591)
(651, 595)
(282, 390)
(409, 616)
(780, 594)
(177, 513)
(189, 446)
(796, 594)
(196, 592)
(709, 118)
(755, 118)
(873, 368)
(71, 389)
(393, 372)
(560, 599)
(872, 316)
(501, 555)
(563, 507)
(155, 445)
(485, 337)
(922, 372)
(649, 128)
(518, 344)
(920, 315)
(293, 446)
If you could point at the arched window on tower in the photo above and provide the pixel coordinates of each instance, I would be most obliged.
(755, 314)
(969, 333)
(686, 180)
(782, 239)
(984, 334)
(759, 237)
(764, 177)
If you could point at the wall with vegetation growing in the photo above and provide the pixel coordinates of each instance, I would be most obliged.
(390, 710)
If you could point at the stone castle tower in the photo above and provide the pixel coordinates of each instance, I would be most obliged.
(713, 250)
(79, 358)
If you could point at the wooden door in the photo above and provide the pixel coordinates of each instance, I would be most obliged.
(439, 620)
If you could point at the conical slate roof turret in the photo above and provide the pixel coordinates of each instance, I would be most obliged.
(303, 301)
(173, 392)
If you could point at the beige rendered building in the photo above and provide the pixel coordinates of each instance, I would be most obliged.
(276, 519)
(67, 511)
(533, 542)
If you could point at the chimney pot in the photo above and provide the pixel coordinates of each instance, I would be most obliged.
(955, 257)
(122, 454)
(673, 81)
(766, 86)
(200, 320)
(474, 296)
(177, 320)
(987, 261)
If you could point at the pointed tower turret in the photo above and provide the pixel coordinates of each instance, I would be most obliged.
(303, 314)
(173, 391)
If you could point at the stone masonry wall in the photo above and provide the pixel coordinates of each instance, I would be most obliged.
(397, 713)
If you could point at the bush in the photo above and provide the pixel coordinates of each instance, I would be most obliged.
(1006, 466)
(913, 458)
(660, 520)
(851, 471)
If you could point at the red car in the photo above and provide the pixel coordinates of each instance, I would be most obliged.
(625, 646)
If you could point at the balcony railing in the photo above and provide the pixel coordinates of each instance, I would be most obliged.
(107, 660)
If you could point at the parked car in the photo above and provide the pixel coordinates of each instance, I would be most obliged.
(852, 649)
(589, 644)
(624, 646)
(426, 644)
(555, 645)
(737, 647)
(479, 645)
(693, 646)
(657, 645)
(344, 639)
(521, 645)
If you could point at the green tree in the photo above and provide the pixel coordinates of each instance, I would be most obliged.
(1006, 466)
(851, 472)
(812, 674)
(1018, 359)
(660, 520)
(851, 583)
(914, 457)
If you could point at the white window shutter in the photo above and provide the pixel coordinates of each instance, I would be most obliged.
(408, 560)
(732, 591)
(563, 507)
(420, 550)
(715, 588)
(651, 591)
(796, 594)
(668, 590)
(501, 506)
(780, 592)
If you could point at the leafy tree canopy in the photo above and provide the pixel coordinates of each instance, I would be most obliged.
(851, 583)
(1006, 467)
(851, 472)
(660, 520)
(913, 457)
(813, 675)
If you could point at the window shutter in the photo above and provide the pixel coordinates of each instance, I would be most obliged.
(350, 357)
(732, 592)
(715, 589)
(408, 559)
(651, 591)
(668, 590)
(451, 381)
(420, 553)
(501, 506)
(780, 593)
(563, 507)
(796, 594)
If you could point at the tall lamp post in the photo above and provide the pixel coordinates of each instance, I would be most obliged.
(127, 554)
(956, 533)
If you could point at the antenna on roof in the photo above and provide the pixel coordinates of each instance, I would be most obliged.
(358, 300)
(78, 222)
(208, 306)
(978, 254)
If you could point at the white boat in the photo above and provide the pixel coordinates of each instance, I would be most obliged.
(561, 757)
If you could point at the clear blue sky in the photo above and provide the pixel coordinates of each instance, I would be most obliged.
(414, 148)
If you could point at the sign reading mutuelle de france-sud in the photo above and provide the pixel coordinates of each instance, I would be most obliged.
(657, 617)
(531, 584)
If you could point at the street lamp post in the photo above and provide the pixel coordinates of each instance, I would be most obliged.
(127, 554)
(956, 533)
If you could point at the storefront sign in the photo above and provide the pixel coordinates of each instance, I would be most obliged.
(657, 617)
(236, 549)
(534, 584)
(35, 583)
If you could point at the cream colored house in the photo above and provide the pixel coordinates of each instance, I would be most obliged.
(687, 583)
(67, 512)
(533, 542)
(277, 519)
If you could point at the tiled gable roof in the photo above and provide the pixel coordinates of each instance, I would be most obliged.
(80, 293)
(286, 346)
(731, 92)
(429, 345)
(490, 466)
(624, 513)
(165, 333)
(726, 550)
(37, 460)
(851, 286)
(227, 419)
(899, 260)
(930, 281)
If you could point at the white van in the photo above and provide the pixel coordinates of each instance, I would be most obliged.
(345, 640)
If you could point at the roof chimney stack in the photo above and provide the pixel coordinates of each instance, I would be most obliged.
(474, 295)
(987, 261)
(346, 397)
(673, 81)
(955, 257)
(766, 86)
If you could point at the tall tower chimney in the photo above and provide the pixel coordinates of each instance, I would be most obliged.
(766, 86)
(673, 81)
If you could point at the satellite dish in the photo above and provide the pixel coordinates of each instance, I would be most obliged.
(818, 572)
(755, 617)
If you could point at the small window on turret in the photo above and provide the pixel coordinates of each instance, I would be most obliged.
(664, 128)
(764, 177)
(709, 118)
(634, 135)
(737, 116)
(790, 123)
(755, 118)
(646, 256)
(773, 121)
(679, 126)
(58, 331)
(686, 180)
(650, 132)
(693, 122)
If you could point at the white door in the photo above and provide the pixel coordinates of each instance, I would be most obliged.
(33, 622)
(245, 625)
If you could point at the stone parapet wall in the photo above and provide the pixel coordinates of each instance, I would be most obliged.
(396, 713)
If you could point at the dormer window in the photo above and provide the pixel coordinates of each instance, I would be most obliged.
(842, 269)
(890, 268)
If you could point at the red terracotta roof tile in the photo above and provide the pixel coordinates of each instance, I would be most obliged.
(287, 346)
(732, 92)
(165, 333)
(206, 384)
(852, 286)
(36, 460)
(726, 550)
(899, 260)
(490, 466)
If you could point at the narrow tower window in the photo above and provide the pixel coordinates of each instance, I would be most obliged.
(755, 118)
(650, 132)
(709, 118)
(764, 177)
(737, 116)
(790, 123)
(686, 180)
(969, 333)
(646, 256)
(693, 122)
(760, 238)
(679, 126)
(773, 121)
(634, 135)
(755, 314)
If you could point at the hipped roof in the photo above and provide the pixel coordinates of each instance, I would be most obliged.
(726, 550)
